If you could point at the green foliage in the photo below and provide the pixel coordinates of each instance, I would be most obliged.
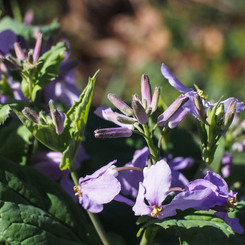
(75, 122)
(26, 31)
(35, 210)
(34, 78)
(4, 113)
(199, 227)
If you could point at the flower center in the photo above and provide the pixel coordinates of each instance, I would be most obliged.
(156, 211)
(77, 189)
(231, 203)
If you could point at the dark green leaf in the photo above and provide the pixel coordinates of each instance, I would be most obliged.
(35, 210)
(75, 122)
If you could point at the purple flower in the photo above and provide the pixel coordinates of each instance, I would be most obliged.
(153, 190)
(99, 188)
(226, 164)
(204, 194)
(190, 105)
(48, 164)
(130, 179)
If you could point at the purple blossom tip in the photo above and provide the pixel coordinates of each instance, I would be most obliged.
(171, 110)
(19, 52)
(120, 105)
(146, 94)
(139, 112)
(121, 132)
(37, 48)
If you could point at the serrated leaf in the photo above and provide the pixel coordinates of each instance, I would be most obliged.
(35, 210)
(4, 113)
(75, 122)
(26, 31)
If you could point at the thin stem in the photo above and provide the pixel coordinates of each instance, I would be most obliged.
(93, 217)
(162, 140)
(148, 237)
(150, 143)
(16, 10)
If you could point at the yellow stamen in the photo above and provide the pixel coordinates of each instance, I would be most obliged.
(231, 203)
(77, 189)
(156, 211)
(200, 93)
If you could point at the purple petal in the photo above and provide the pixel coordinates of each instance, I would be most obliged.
(140, 207)
(7, 40)
(217, 180)
(120, 198)
(179, 163)
(112, 133)
(157, 181)
(173, 80)
(232, 222)
(177, 118)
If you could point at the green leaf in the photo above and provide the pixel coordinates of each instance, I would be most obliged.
(35, 210)
(4, 113)
(15, 137)
(200, 227)
(26, 31)
(75, 122)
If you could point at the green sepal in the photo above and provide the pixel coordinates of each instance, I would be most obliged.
(75, 122)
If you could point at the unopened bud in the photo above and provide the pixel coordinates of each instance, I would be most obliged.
(19, 52)
(139, 112)
(30, 114)
(120, 105)
(37, 48)
(56, 117)
(155, 99)
(200, 108)
(171, 110)
(121, 132)
(10, 63)
(229, 115)
(126, 120)
(146, 94)
(219, 114)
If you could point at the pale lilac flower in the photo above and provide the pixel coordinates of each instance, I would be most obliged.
(99, 188)
(153, 190)
(48, 164)
(190, 105)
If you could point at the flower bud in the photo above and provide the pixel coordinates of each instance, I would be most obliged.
(121, 132)
(120, 105)
(19, 52)
(30, 114)
(155, 99)
(229, 115)
(37, 48)
(139, 112)
(219, 114)
(171, 110)
(125, 119)
(200, 108)
(146, 94)
(56, 117)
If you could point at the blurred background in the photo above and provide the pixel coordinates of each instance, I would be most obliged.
(201, 41)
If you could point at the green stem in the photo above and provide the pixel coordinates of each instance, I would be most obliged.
(16, 10)
(150, 143)
(93, 217)
(148, 237)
